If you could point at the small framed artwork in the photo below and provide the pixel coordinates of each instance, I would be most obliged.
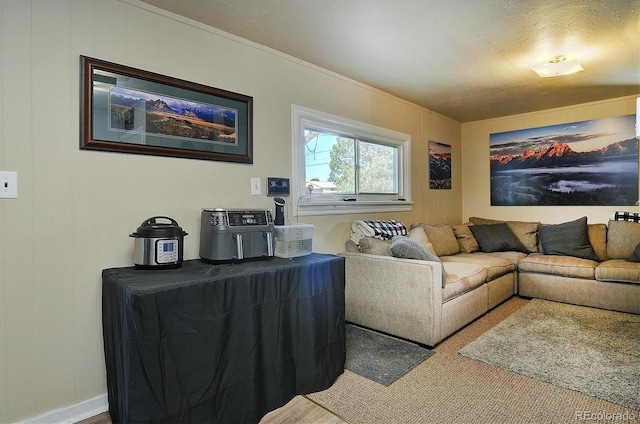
(439, 166)
(129, 110)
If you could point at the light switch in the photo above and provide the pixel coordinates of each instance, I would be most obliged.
(8, 185)
(256, 190)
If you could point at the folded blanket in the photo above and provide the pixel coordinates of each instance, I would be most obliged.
(360, 229)
(383, 229)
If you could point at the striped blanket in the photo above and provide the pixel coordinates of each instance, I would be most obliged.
(627, 216)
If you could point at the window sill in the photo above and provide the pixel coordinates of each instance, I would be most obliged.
(341, 207)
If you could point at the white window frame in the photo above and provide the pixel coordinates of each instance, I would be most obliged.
(307, 204)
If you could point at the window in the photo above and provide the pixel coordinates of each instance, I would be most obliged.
(343, 166)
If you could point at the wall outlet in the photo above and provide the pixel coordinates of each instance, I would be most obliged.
(256, 190)
(8, 185)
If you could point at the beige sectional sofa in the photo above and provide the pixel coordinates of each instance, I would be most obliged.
(413, 299)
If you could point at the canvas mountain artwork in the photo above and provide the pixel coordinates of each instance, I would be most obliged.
(439, 165)
(591, 163)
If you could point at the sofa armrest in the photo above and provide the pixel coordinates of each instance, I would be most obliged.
(402, 297)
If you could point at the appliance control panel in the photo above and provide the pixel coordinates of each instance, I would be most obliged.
(238, 217)
(166, 251)
(243, 218)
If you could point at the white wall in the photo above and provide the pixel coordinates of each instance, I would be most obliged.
(475, 181)
(75, 209)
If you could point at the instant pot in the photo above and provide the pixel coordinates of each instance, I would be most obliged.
(158, 245)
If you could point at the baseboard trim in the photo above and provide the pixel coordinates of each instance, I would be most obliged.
(72, 414)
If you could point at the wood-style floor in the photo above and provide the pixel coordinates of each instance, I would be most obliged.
(298, 410)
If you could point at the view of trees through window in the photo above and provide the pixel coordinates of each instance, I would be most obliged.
(348, 165)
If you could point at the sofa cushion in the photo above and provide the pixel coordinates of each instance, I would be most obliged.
(495, 266)
(442, 237)
(527, 232)
(618, 270)
(374, 246)
(622, 238)
(496, 238)
(635, 255)
(598, 239)
(462, 278)
(566, 266)
(567, 239)
(465, 238)
(511, 256)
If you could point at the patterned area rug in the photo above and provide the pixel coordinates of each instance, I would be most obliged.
(593, 351)
(381, 358)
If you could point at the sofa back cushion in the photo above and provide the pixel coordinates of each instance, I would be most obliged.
(622, 239)
(420, 236)
(598, 239)
(526, 232)
(441, 237)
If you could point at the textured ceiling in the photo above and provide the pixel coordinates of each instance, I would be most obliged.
(465, 59)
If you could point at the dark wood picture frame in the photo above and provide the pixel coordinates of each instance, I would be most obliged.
(129, 110)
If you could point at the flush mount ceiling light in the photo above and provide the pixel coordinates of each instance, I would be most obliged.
(557, 66)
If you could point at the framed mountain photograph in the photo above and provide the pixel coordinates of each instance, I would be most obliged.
(587, 163)
(129, 110)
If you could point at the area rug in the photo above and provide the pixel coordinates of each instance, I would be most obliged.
(592, 351)
(381, 358)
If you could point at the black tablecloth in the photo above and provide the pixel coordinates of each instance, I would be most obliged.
(223, 343)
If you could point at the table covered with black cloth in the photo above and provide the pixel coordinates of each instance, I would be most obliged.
(221, 343)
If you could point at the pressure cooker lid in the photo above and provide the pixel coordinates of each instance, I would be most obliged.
(151, 228)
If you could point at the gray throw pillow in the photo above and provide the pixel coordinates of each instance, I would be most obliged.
(567, 239)
(635, 256)
(404, 247)
(496, 238)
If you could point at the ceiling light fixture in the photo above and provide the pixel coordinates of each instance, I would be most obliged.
(557, 66)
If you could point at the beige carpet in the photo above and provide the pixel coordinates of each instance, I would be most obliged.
(449, 388)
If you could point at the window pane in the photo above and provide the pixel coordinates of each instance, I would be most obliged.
(378, 170)
(329, 162)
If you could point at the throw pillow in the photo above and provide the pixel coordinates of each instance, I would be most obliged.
(635, 256)
(404, 247)
(527, 232)
(496, 238)
(568, 239)
(374, 246)
(442, 237)
(465, 238)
